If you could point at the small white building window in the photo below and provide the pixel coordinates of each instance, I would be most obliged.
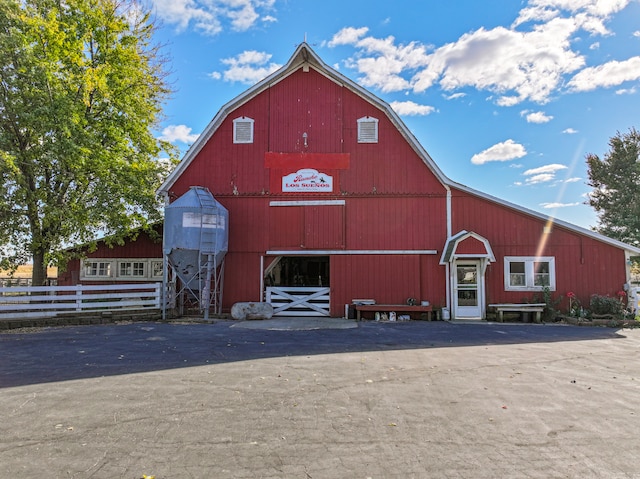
(367, 130)
(528, 273)
(156, 269)
(97, 269)
(243, 130)
(131, 269)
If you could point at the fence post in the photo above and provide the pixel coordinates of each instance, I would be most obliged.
(79, 298)
(158, 294)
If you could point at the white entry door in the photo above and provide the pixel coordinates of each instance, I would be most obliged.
(468, 290)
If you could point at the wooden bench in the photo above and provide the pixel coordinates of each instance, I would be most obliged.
(398, 308)
(524, 308)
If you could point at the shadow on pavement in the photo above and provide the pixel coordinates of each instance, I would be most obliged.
(67, 353)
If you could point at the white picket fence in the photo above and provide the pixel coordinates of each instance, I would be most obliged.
(50, 301)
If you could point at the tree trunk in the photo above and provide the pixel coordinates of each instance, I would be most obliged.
(39, 274)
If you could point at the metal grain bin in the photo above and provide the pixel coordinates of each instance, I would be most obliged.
(195, 231)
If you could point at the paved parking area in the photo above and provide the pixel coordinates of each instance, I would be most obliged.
(274, 400)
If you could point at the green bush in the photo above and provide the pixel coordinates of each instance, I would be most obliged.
(605, 305)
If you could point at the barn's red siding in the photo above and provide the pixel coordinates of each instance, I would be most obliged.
(390, 166)
(584, 265)
(389, 279)
(391, 200)
(471, 246)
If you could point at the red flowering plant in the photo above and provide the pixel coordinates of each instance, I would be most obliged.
(574, 304)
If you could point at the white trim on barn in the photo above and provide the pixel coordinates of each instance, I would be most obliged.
(308, 203)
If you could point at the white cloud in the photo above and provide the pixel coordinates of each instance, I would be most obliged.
(243, 17)
(548, 206)
(543, 174)
(636, 34)
(589, 15)
(529, 61)
(536, 116)
(627, 91)
(348, 36)
(570, 131)
(381, 61)
(178, 133)
(516, 66)
(455, 96)
(248, 67)
(573, 180)
(505, 151)
(183, 13)
(606, 75)
(210, 17)
(552, 168)
(410, 108)
(541, 178)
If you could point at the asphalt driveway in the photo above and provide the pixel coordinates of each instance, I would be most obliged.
(378, 400)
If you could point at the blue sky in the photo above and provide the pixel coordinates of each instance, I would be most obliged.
(507, 96)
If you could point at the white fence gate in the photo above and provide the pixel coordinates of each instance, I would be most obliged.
(298, 300)
(49, 301)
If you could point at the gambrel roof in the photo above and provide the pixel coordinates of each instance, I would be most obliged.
(305, 57)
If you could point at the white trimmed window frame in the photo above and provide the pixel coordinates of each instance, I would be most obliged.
(114, 269)
(530, 277)
(97, 269)
(132, 269)
(156, 269)
(243, 130)
(367, 129)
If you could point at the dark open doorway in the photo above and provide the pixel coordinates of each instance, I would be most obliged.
(298, 271)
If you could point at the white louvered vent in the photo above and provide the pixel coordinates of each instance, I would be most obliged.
(243, 130)
(368, 130)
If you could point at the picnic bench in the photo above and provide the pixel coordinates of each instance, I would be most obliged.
(524, 308)
(398, 308)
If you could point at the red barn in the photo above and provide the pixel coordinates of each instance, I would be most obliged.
(329, 193)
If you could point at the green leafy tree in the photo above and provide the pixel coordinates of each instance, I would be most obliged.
(616, 187)
(81, 89)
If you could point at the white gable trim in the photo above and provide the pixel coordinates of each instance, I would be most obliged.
(450, 246)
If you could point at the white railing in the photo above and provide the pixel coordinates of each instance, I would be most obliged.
(49, 301)
(298, 301)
